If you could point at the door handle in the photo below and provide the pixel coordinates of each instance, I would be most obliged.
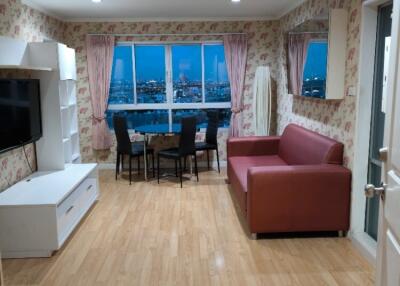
(383, 153)
(371, 191)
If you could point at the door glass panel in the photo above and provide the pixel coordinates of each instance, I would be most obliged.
(377, 120)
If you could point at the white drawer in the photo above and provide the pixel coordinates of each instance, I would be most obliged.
(70, 211)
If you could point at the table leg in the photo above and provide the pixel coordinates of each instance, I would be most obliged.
(1, 274)
(145, 156)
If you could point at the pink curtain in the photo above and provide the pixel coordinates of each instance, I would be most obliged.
(100, 50)
(297, 52)
(236, 57)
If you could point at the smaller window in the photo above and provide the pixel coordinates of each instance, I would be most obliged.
(215, 74)
(186, 71)
(150, 74)
(201, 116)
(121, 87)
(314, 75)
(137, 118)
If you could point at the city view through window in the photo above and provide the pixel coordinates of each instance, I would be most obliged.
(315, 69)
(198, 79)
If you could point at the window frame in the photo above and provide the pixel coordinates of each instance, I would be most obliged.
(169, 104)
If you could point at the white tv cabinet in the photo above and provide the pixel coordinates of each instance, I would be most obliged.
(39, 213)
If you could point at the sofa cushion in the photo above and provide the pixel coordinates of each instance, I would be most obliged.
(238, 167)
(299, 146)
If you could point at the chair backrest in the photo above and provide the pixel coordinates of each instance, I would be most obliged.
(121, 132)
(212, 127)
(188, 136)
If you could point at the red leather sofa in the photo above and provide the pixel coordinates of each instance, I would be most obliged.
(290, 183)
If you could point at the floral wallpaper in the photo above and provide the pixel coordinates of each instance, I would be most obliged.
(20, 21)
(263, 50)
(335, 119)
(266, 47)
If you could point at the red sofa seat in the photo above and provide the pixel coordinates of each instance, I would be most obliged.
(291, 183)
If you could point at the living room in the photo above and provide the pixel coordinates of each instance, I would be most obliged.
(248, 142)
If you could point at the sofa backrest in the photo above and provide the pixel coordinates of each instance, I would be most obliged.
(300, 146)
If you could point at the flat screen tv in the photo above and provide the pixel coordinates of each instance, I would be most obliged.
(20, 118)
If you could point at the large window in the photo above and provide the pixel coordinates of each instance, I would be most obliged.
(160, 83)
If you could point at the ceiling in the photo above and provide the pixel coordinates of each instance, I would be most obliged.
(75, 10)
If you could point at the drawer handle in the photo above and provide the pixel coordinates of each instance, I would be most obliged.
(69, 209)
(89, 187)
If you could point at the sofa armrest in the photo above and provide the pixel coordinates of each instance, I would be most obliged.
(253, 146)
(298, 198)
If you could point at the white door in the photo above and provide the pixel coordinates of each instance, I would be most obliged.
(388, 258)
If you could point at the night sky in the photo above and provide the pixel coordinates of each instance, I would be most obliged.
(186, 62)
(316, 60)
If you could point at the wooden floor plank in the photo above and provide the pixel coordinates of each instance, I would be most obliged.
(150, 234)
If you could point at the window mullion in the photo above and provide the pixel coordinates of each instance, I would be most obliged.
(134, 74)
(203, 90)
(169, 87)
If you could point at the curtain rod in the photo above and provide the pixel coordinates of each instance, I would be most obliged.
(295, 33)
(160, 35)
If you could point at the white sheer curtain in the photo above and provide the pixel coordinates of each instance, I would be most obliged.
(262, 101)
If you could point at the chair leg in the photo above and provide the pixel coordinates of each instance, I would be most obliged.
(158, 168)
(130, 170)
(154, 169)
(139, 165)
(122, 163)
(216, 150)
(117, 166)
(195, 166)
(176, 168)
(180, 170)
(208, 160)
(184, 163)
(147, 165)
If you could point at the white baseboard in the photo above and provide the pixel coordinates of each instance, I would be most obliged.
(365, 244)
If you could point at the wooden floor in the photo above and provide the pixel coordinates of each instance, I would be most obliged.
(149, 234)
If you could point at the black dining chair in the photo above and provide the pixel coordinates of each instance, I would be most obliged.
(185, 148)
(126, 147)
(210, 142)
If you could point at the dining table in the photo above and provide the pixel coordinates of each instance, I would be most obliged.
(149, 130)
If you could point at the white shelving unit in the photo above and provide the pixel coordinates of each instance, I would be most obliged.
(59, 112)
(54, 64)
(39, 213)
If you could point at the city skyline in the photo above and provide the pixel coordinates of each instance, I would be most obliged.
(149, 76)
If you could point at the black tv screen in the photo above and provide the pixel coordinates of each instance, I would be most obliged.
(20, 118)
